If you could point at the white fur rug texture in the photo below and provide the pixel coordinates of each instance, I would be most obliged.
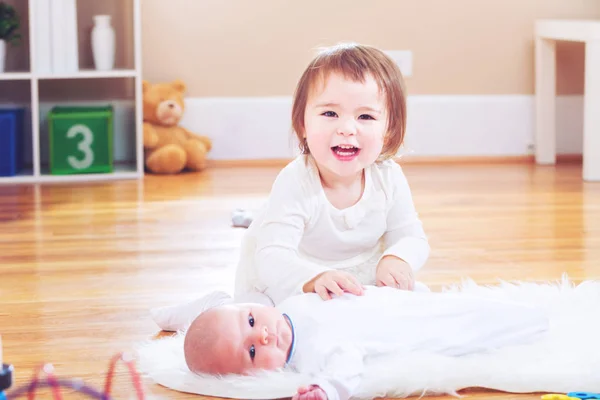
(567, 360)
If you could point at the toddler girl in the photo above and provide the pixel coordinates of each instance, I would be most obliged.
(341, 214)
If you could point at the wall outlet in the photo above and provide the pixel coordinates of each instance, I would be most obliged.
(404, 59)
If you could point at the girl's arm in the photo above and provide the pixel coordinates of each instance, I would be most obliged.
(279, 233)
(405, 237)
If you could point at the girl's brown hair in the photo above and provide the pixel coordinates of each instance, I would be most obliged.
(355, 61)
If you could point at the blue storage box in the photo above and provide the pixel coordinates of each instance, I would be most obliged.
(11, 140)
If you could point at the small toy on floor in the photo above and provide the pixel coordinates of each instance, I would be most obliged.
(55, 384)
(241, 218)
(571, 396)
(584, 395)
(5, 379)
(6, 374)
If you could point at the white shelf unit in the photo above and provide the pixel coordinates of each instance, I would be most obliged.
(121, 87)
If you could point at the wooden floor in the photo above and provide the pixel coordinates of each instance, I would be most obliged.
(80, 266)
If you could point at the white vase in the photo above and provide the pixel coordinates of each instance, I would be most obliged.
(103, 43)
(2, 55)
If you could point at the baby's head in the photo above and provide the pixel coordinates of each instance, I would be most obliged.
(238, 339)
(350, 94)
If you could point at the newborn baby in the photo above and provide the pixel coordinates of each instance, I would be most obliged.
(331, 339)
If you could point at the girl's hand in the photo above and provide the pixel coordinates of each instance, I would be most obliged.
(312, 392)
(336, 282)
(394, 272)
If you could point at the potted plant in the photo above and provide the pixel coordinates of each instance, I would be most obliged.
(9, 29)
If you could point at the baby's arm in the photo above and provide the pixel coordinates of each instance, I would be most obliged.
(405, 237)
(312, 392)
(341, 377)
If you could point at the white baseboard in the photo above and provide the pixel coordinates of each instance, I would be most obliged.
(260, 128)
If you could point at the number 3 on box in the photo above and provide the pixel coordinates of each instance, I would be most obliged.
(84, 146)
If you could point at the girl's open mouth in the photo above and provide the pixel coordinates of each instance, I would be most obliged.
(345, 153)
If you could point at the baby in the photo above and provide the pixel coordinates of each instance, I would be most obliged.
(331, 339)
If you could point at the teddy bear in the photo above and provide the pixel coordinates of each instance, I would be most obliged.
(168, 147)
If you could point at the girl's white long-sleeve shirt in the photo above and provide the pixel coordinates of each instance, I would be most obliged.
(299, 234)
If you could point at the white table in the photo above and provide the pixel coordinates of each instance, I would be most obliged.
(547, 32)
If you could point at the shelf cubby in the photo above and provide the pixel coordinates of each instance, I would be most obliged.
(16, 94)
(39, 90)
(122, 13)
(116, 92)
(18, 57)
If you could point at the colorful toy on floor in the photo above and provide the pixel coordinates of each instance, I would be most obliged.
(56, 384)
(241, 218)
(571, 396)
(584, 395)
(5, 379)
(5, 375)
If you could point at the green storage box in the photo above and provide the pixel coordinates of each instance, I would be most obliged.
(81, 140)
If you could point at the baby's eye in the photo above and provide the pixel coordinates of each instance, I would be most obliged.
(329, 114)
(252, 352)
(366, 116)
(251, 320)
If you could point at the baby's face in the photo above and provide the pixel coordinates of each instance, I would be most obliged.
(250, 337)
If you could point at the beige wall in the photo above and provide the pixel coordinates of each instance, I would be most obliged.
(259, 47)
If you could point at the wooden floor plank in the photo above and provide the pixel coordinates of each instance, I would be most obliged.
(81, 265)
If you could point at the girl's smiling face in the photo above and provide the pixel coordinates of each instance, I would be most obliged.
(345, 125)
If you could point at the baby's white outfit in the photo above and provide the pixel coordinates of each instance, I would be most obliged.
(299, 233)
(332, 339)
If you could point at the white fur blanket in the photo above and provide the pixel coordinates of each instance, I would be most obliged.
(569, 360)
